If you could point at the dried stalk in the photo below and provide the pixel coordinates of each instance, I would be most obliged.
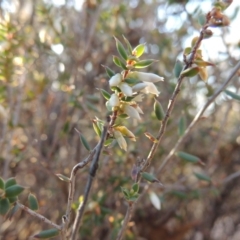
(92, 173)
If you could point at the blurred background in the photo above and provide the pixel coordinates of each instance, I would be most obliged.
(50, 69)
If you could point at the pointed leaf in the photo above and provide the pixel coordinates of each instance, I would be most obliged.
(119, 62)
(13, 191)
(12, 212)
(4, 206)
(181, 126)
(203, 177)
(128, 45)
(10, 182)
(135, 187)
(47, 233)
(96, 128)
(151, 137)
(62, 177)
(232, 95)
(33, 202)
(155, 200)
(109, 71)
(105, 94)
(131, 81)
(188, 157)
(121, 50)
(12, 199)
(2, 184)
(84, 142)
(138, 50)
(144, 63)
(125, 191)
(202, 63)
(203, 73)
(177, 68)
(158, 110)
(190, 72)
(150, 177)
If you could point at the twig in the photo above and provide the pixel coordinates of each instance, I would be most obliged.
(167, 116)
(92, 173)
(66, 218)
(39, 216)
(198, 116)
(125, 223)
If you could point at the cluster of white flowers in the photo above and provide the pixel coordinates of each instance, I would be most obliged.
(135, 92)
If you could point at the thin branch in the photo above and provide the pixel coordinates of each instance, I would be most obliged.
(198, 116)
(125, 223)
(92, 173)
(67, 216)
(39, 216)
(167, 116)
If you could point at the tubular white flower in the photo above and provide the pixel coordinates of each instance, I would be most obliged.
(131, 111)
(151, 88)
(126, 89)
(139, 109)
(138, 98)
(114, 100)
(138, 87)
(148, 77)
(115, 80)
(120, 139)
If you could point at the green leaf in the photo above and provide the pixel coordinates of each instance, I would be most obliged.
(84, 142)
(188, 157)
(33, 202)
(144, 63)
(125, 192)
(190, 72)
(10, 182)
(158, 110)
(108, 142)
(121, 50)
(13, 191)
(232, 95)
(12, 199)
(149, 177)
(109, 71)
(12, 212)
(124, 116)
(181, 126)
(203, 177)
(97, 129)
(105, 94)
(187, 50)
(4, 206)
(135, 187)
(47, 233)
(128, 45)
(2, 184)
(119, 62)
(131, 81)
(138, 50)
(177, 68)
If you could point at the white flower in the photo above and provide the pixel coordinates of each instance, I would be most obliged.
(151, 88)
(120, 139)
(138, 87)
(115, 80)
(138, 98)
(114, 100)
(126, 89)
(131, 111)
(146, 77)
